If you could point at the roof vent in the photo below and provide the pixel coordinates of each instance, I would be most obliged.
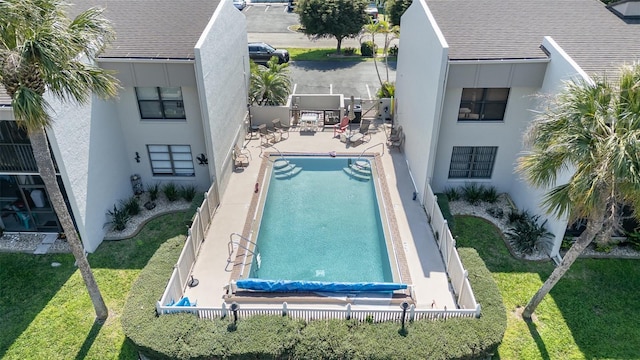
(627, 10)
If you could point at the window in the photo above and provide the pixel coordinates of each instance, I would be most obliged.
(472, 162)
(171, 160)
(483, 104)
(160, 102)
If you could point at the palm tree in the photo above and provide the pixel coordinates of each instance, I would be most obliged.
(270, 85)
(42, 49)
(390, 33)
(594, 129)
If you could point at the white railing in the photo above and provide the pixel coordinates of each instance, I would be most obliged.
(310, 314)
(468, 307)
(447, 245)
(201, 221)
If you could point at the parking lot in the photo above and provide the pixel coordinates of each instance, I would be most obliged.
(270, 23)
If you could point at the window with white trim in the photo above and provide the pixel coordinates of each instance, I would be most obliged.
(483, 104)
(171, 160)
(472, 162)
(160, 102)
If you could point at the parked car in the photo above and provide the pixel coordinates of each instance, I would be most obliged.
(372, 10)
(262, 52)
(291, 5)
(240, 4)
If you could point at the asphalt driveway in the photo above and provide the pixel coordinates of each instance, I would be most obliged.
(270, 23)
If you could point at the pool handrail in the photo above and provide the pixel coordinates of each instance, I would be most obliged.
(230, 248)
(372, 146)
(279, 153)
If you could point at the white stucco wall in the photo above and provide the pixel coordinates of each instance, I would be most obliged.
(139, 133)
(506, 135)
(89, 147)
(222, 75)
(561, 68)
(420, 80)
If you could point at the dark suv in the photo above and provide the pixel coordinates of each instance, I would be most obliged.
(261, 53)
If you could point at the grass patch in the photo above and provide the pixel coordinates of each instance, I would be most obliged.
(46, 312)
(306, 54)
(570, 322)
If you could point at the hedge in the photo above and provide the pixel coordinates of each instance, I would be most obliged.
(443, 204)
(184, 336)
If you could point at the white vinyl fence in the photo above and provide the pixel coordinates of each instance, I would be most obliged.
(447, 245)
(197, 231)
(468, 307)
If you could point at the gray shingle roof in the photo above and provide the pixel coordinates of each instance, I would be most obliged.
(158, 29)
(594, 37)
(149, 29)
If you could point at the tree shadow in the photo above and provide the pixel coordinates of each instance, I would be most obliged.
(533, 330)
(88, 341)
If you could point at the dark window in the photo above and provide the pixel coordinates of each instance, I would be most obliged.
(160, 102)
(171, 160)
(472, 162)
(483, 104)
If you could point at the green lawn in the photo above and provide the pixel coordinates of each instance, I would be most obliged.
(588, 314)
(304, 54)
(46, 313)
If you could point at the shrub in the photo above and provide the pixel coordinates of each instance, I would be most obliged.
(170, 191)
(119, 218)
(153, 191)
(490, 194)
(188, 192)
(472, 193)
(516, 215)
(349, 51)
(527, 235)
(443, 204)
(393, 50)
(368, 48)
(633, 239)
(131, 206)
(278, 337)
(567, 242)
(452, 194)
(496, 212)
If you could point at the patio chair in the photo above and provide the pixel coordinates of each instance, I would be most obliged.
(396, 141)
(266, 135)
(240, 157)
(363, 133)
(342, 127)
(278, 126)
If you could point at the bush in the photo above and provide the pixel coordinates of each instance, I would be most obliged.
(473, 193)
(153, 191)
(368, 48)
(393, 50)
(452, 194)
(170, 191)
(489, 194)
(349, 51)
(131, 206)
(633, 239)
(443, 204)
(567, 242)
(188, 192)
(277, 337)
(527, 235)
(119, 218)
(496, 212)
(516, 215)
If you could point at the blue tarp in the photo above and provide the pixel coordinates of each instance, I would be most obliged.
(297, 286)
(183, 302)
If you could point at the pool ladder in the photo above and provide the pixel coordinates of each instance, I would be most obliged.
(238, 243)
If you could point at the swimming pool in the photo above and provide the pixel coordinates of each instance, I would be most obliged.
(321, 220)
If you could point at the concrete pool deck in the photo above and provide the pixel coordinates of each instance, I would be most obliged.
(430, 283)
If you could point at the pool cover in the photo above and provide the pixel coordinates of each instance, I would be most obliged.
(299, 286)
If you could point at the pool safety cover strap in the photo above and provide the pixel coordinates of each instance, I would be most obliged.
(291, 286)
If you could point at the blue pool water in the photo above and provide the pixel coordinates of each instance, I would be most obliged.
(321, 224)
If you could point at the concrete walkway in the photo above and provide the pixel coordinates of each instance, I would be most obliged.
(423, 258)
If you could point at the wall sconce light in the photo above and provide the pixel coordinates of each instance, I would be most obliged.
(137, 157)
(202, 160)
